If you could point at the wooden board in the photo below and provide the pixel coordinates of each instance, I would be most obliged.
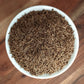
(9, 74)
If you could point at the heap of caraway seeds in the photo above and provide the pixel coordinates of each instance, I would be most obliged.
(41, 42)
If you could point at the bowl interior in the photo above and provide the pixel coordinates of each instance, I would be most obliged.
(39, 8)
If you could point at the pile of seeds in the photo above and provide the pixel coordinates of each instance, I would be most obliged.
(41, 42)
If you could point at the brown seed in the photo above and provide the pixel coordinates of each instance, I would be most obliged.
(41, 42)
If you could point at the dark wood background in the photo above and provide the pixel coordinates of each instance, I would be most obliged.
(9, 74)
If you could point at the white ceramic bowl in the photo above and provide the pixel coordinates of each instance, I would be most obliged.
(39, 8)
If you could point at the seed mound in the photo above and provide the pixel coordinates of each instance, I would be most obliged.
(41, 42)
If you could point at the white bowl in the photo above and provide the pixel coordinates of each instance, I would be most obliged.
(39, 8)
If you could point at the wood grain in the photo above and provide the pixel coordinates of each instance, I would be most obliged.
(9, 74)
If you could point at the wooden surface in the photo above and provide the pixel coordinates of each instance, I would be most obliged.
(9, 74)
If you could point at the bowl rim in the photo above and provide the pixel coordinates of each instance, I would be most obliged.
(39, 8)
